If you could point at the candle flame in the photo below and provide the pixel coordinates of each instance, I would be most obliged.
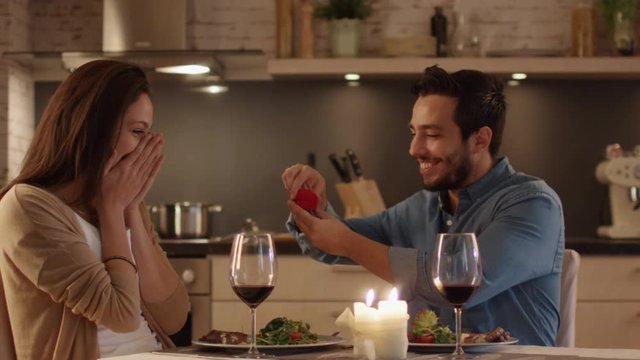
(393, 294)
(370, 296)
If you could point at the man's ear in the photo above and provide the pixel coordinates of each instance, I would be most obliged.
(482, 138)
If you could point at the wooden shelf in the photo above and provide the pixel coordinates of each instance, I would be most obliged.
(534, 67)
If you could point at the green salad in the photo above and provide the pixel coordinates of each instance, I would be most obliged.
(282, 331)
(426, 328)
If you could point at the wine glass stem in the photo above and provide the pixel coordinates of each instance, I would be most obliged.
(252, 349)
(458, 312)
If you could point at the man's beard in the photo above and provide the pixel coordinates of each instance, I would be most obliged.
(456, 177)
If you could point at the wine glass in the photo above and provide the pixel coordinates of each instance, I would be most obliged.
(457, 273)
(252, 274)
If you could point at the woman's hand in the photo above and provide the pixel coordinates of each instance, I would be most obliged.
(126, 180)
(299, 176)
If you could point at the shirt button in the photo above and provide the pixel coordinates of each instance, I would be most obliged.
(449, 222)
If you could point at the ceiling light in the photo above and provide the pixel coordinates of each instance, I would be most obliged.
(518, 76)
(352, 77)
(184, 69)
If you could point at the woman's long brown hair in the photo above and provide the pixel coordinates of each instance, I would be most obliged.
(79, 127)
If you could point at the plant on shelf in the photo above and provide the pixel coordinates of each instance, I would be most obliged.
(346, 17)
(619, 18)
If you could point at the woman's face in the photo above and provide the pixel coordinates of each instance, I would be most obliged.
(137, 122)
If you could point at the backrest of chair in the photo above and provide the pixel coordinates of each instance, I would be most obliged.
(568, 299)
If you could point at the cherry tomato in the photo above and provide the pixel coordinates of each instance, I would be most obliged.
(295, 336)
(425, 339)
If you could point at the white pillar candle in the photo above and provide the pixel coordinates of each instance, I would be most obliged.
(364, 312)
(392, 308)
(391, 335)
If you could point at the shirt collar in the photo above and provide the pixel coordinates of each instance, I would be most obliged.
(500, 171)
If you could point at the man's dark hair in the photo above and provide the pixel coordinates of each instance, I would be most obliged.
(480, 100)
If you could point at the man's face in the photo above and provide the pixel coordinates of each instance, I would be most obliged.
(444, 159)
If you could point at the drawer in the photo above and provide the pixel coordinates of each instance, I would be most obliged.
(609, 278)
(608, 324)
(195, 274)
(321, 316)
(301, 278)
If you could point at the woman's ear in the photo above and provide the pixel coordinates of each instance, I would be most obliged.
(482, 138)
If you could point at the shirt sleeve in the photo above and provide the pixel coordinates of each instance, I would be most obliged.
(388, 227)
(524, 242)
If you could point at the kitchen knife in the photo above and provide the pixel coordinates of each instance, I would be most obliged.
(341, 170)
(355, 163)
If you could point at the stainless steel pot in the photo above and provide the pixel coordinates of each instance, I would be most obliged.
(187, 220)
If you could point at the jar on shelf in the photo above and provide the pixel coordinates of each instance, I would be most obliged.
(465, 39)
(624, 32)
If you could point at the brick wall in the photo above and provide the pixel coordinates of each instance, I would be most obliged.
(16, 88)
(250, 24)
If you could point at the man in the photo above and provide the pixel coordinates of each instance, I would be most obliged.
(456, 125)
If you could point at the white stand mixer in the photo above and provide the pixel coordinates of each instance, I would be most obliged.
(622, 173)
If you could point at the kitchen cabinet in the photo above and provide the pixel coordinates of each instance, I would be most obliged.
(608, 311)
(535, 67)
(305, 290)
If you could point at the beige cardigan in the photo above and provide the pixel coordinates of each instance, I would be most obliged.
(56, 290)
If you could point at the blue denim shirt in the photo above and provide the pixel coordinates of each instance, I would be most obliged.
(520, 230)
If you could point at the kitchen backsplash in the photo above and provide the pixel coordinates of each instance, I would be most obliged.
(231, 149)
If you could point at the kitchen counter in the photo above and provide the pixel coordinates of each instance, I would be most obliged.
(287, 245)
(603, 246)
(216, 246)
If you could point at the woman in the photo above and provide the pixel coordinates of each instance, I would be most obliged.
(82, 271)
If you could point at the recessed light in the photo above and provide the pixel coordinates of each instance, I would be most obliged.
(184, 69)
(518, 76)
(352, 77)
(215, 89)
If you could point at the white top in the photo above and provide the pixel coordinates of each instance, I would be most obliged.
(111, 343)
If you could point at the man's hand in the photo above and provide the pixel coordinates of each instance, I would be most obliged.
(304, 176)
(323, 230)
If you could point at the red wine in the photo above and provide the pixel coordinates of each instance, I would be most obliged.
(457, 294)
(253, 295)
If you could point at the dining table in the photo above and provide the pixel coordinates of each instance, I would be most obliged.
(498, 352)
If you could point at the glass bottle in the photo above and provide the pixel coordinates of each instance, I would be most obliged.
(439, 31)
(465, 40)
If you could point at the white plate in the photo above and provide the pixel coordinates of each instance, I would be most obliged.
(465, 346)
(322, 342)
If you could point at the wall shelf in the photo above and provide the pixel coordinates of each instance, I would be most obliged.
(535, 67)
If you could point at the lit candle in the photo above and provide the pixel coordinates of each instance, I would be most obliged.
(390, 339)
(365, 323)
(364, 312)
(392, 308)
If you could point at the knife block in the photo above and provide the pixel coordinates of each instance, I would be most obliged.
(360, 198)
